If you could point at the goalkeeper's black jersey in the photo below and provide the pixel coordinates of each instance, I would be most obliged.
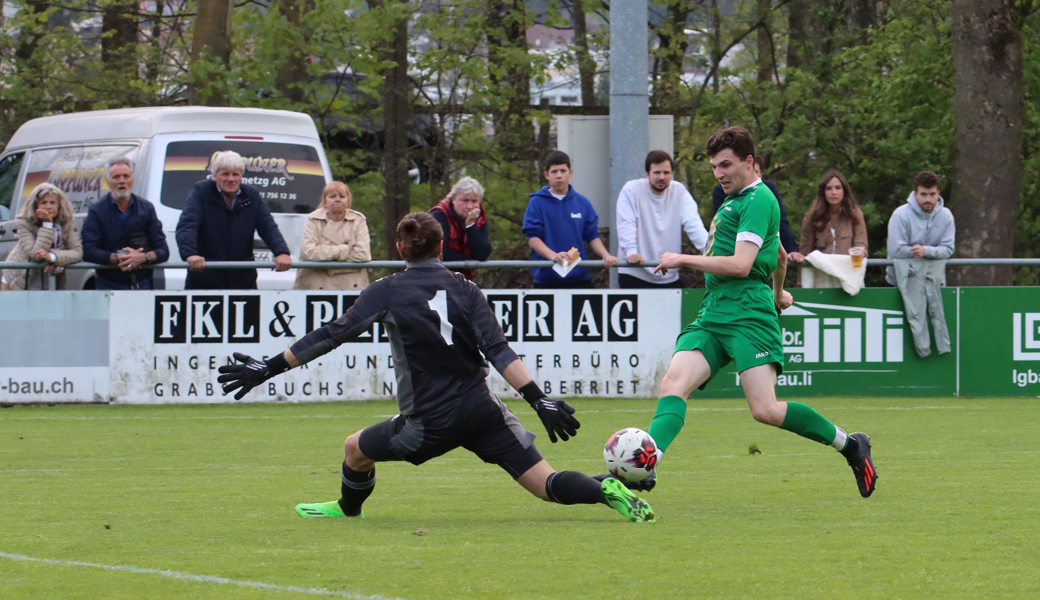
(438, 324)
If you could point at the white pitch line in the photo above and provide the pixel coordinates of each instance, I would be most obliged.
(199, 578)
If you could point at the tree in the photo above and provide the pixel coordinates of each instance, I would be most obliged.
(397, 115)
(765, 41)
(292, 76)
(211, 52)
(510, 71)
(586, 65)
(119, 37)
(799, 43)
(987, 55)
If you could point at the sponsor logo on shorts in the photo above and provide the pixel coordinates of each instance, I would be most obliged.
(761, 355)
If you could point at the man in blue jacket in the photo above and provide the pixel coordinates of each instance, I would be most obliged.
(558, 219)
(122, 229)
(218, 223)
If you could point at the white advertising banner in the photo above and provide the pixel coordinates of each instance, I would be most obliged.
(55, 347)
(165, 347)
(54, 384)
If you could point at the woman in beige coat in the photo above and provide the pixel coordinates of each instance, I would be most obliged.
(334, 232)
(833, 225)
(47, 233)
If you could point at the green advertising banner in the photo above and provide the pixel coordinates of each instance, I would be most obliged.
(841, 345)
(1000, 342)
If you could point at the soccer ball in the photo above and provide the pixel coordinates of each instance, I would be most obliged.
(630, 454)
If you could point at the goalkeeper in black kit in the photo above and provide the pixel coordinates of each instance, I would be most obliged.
(440, 328)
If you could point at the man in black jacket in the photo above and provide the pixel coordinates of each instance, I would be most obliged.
(218, 222)
(123, 229)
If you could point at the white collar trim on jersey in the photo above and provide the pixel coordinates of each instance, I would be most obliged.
(753, 183)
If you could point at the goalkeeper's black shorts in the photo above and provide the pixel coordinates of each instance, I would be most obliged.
(480, 424)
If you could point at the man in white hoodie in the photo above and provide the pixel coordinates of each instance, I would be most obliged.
(652, 214)
(920, 239)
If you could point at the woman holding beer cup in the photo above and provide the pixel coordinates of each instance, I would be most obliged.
(833, 225)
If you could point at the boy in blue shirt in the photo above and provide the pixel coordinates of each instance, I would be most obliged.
(558, 219)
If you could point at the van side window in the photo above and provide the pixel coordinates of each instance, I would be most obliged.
(10, 166)
(288, 177)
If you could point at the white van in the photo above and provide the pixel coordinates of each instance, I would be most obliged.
(171, 148)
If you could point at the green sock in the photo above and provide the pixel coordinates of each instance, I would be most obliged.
(808, 423)
(668, 420)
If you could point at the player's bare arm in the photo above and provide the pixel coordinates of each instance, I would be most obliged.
(738, 265)
(782, 297)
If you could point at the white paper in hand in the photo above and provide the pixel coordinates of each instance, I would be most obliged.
(565, 268)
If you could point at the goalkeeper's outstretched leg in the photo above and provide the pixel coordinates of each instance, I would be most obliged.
(572, 487)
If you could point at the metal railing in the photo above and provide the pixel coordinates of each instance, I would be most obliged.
(473, 264)
(489, 264)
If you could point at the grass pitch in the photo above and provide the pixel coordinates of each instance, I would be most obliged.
(197, 502)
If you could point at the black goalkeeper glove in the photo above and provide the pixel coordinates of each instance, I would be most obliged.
(250, 373)
(556, 415)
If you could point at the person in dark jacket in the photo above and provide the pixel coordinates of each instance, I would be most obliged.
(462, 219)
(218, 222)
(786, 235)
(122, 229)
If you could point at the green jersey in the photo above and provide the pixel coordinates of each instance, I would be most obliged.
(753, 214)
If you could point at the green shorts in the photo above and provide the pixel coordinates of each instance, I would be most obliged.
(736, 324)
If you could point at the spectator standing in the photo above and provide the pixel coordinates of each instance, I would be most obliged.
(334, 232)
(648, 211)
(122, 229)
(464, 223)
(218, 222)
(833, 225)
(920, 238)
(786, 235)
(558, 219)
(47, 233)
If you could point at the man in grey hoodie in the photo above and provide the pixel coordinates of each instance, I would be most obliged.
(920, 239)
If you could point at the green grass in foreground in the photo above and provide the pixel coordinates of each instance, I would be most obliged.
(210, 490)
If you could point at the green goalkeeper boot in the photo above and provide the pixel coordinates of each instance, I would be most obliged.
(621, 499)
(322, 510)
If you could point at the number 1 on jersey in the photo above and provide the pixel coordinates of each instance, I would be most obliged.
(439, 305)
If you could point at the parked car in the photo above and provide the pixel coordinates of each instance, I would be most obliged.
(171, 148)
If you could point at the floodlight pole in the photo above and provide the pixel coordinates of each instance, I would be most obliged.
(629, 104)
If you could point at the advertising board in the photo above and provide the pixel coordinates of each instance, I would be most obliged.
(840, 345)
(1001, 334)
(167, 346)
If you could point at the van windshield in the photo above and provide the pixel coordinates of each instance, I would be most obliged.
(289, 177)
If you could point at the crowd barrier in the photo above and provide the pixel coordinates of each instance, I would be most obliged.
(165, 346)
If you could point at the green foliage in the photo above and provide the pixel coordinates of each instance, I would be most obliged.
(1027, 238)
(878, 112)
(210, 490)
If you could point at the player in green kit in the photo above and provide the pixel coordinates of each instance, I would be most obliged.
(739, 318)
